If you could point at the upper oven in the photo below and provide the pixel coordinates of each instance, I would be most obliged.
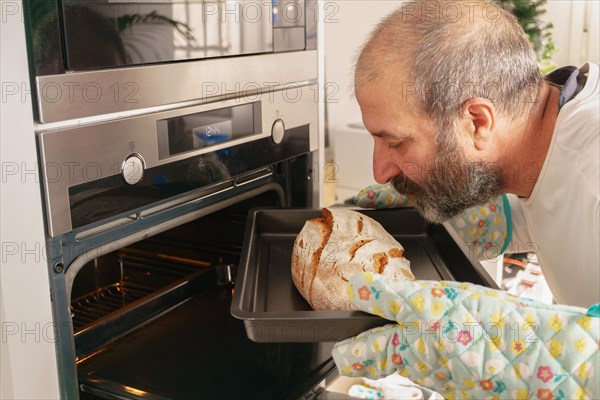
(100, 57)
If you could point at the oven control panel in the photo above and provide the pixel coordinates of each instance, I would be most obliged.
(103, 170)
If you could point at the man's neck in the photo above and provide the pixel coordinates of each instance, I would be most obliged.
(529, 147)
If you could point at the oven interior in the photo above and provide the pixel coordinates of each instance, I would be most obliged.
(152, 320)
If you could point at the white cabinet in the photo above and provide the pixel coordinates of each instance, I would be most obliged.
(353, 151)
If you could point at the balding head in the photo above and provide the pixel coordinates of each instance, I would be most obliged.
(443, 53)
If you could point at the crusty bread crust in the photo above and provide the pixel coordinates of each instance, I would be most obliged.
(329, 250)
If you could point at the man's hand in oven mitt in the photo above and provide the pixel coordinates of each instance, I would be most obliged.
(468, 341)
(486, 229)
(381, 196)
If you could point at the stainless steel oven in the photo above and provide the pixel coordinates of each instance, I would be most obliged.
(159, 125)
(97, 57)
(145, 218)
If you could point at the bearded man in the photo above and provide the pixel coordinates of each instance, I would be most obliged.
(460, 113)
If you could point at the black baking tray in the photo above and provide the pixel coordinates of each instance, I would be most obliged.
(273, 310)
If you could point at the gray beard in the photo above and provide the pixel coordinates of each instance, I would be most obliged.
(452, 186)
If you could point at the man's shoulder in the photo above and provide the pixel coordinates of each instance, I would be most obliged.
(579, 120)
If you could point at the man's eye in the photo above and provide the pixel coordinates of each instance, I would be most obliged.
(394, 145)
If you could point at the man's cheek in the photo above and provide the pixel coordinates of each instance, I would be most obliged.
(411, 171)
(423, 171)
(404, 185)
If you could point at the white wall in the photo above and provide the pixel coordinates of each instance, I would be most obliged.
(347, 24)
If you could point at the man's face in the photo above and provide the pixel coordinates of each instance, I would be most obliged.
(439, 177)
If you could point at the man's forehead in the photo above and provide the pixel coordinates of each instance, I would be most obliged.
(379, 101)
(375, 93)
(385, 115)
(395, 88)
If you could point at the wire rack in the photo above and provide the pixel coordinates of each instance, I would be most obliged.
(112, 298)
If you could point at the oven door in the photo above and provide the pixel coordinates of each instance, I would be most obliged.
(101, 34)
(151, 318)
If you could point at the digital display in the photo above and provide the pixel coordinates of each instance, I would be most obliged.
(213, 133)
(195, 131)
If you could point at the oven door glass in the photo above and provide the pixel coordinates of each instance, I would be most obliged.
(105, 33)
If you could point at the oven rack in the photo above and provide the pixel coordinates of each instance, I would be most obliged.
(91, 307)
(154, 267)
(150, 283)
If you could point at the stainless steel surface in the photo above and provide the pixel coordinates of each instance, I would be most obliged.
(288, 39)
(291, 13)
(291, 24)
(79, 155)
(85, 94)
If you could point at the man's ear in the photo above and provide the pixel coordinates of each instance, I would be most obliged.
(478, 117)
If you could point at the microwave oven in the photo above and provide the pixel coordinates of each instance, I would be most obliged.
(107, 57)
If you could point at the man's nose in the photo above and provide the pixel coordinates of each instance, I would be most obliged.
(385, 166)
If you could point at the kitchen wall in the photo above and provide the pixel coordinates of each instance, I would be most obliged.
(347, 24)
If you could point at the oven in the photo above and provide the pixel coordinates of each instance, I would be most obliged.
(100, 57)
(146, 217)
(159, 126)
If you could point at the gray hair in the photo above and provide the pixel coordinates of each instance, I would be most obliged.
(450, 52)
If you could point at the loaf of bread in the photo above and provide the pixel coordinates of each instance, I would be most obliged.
(329, 250)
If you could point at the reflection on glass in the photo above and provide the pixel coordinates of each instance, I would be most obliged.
(190, 132)
(168, 30)
(92, 39)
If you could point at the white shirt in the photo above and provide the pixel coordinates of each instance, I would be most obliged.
(560, 221)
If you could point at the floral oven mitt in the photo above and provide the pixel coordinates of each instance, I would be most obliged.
(485, 229)
(470, 342)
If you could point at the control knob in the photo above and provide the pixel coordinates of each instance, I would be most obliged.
(277, 131)
(133, 169)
